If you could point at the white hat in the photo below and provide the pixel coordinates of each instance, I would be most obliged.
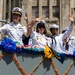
(54, 26)
(40, 21)
(65, 29)
(43, 21)
(18, 10)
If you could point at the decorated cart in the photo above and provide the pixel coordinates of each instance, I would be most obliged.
(17, 59)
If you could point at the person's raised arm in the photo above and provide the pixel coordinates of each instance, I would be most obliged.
(26, 36)
(29, 28)
(68, 32)
(26, 18)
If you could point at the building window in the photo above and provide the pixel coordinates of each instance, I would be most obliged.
(56, 11)
(35, 12)
(45, 11)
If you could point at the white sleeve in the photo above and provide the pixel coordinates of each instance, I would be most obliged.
(24, 29)
(68, 32)
(33, 33)
(74, 41)
(3, 29)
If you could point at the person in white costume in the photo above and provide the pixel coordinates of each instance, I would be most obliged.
(15, 30)
(38, 37)
(54, 31)
(59, 39)
(69, 42)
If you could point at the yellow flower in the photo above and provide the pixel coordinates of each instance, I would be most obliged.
(48, 53)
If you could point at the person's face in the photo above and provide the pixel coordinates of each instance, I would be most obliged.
(54, 31)
(16, 18)
(41, 30)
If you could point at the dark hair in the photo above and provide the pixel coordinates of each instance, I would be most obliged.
(41, 25)
(51, 30)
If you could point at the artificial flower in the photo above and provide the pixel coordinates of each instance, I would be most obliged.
(48, 53)
(8, 45)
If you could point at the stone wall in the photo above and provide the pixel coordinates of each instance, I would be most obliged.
(1, 15)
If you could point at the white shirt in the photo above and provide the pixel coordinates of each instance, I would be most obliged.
(71, 43)
(38, 40)
(13, 31)
(59, 40)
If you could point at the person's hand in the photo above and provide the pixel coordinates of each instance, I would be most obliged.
(38, 19)
(70, 18)
(26, 17)
(31, 24)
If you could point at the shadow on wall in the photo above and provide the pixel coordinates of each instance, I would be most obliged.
(46, 63)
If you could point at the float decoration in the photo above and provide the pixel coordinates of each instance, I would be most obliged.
(71, 65)
(7, 45)
(18, 65)
(3, 54)
(54, 67)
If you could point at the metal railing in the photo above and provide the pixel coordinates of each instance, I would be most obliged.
(3, 22)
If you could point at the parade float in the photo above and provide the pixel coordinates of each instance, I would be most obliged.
(20, 59)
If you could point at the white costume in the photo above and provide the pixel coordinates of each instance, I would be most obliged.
(70, 42)
(13, 31)
(59, 40)
(38, 40)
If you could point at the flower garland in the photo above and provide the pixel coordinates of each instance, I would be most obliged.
(71, 65)
(37, 66)
(18, 65)
(21, 69)
(24, 72)
(66, 73)
(48, 52)
(54, 67)
(8, 45)
(1, 56)
(33, 49)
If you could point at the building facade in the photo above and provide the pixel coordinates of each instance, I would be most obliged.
(53, 11)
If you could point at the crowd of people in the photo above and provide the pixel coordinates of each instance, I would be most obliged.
(61, 43)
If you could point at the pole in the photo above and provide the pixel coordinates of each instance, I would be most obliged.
(61, 17)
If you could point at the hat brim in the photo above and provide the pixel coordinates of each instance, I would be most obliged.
(54, 27)
(17, 13)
